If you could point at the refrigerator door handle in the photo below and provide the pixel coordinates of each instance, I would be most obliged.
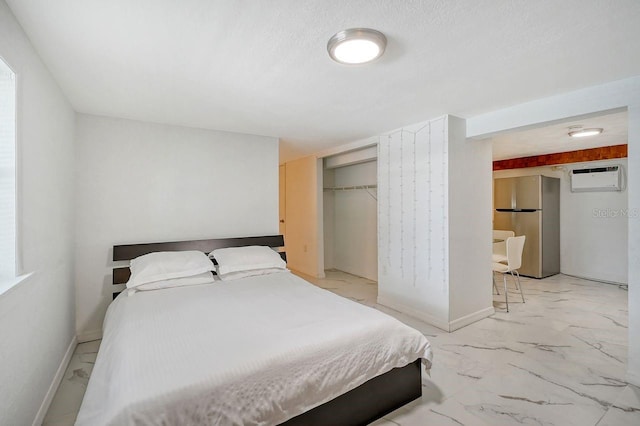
(517, 210)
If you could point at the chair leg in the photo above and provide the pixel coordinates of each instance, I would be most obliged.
(521, 293)
(506, 294)
(493, 277)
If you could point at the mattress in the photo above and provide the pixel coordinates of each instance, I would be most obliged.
(258, 350)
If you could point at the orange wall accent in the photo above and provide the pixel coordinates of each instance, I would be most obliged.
(593, 154)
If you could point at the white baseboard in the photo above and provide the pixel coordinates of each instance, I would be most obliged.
(394, 304)
(598, 280)
(471, 318)
(44, 407)
(89, 336)
(436, 322)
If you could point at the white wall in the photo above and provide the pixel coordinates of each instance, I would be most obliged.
(634, 236)
(140, 182)
(469, 227)
(7, 175)
(593, 239)
(355, 221)
(37, 315)
(617, 94)
(434, 223)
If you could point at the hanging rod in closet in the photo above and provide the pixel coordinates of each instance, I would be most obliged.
(348, 188)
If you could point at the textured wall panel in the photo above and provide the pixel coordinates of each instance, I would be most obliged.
(412, 213)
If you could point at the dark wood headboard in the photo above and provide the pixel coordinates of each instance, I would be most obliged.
(131, 251)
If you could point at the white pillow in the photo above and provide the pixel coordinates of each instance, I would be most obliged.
(205, 278)
(230, 276)
(234, 259)
(167, 265)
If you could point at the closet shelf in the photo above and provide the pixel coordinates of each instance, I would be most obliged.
(348, 188)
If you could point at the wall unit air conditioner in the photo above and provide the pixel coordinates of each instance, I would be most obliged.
(596, 179)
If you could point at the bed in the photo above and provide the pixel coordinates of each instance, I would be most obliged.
(264, 350)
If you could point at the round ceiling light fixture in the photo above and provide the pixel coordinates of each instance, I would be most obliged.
(581, 133)
(356, 46)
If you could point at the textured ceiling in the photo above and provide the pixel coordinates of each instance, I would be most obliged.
(555, 138)
(261, 67)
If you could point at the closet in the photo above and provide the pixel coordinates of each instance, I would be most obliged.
(350, 215)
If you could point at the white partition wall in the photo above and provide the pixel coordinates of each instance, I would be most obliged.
(634, 237)
(420, 186)
(412, 230)
(470, 237)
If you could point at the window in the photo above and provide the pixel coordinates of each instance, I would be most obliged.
(7, 173)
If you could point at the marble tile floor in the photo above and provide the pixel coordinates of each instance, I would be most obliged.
(66, 402)
(558, 359)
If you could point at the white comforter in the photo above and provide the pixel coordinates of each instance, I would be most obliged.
(256, 351)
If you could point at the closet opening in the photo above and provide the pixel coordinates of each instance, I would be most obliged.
(350, 216)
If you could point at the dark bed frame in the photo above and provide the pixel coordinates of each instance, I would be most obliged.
(360, 406)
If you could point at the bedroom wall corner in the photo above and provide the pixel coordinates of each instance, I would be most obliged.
(37, 315)
(143, 182)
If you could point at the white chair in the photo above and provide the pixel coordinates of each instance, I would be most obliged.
(515, 245)
(500, 247)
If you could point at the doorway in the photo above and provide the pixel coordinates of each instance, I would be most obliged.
(593, 224)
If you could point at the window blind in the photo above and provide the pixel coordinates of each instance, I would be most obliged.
(7, 173)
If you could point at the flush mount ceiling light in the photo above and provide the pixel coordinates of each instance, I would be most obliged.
(356, 46)
(581, 133)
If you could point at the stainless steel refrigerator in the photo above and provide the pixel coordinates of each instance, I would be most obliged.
(530, 205)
